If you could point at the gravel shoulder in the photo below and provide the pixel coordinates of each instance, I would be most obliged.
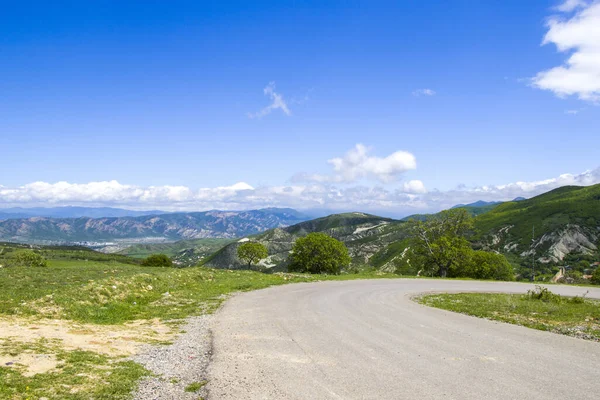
(177, 365)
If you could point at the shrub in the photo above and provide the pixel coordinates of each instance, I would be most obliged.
(542, 294)
(481, 264)
(596, 276)
(157, 260)
(28, 258)
(318, 253)
(578, 299)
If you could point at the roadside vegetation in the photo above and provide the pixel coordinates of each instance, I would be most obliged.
(438, 246)
(539, 309)
(68, 328)
(72, 375)
(318, 253)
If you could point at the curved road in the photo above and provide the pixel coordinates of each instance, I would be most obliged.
(368, 340)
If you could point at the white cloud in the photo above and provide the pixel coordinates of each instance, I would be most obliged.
(358, 164)
(463, 195)
(408, 198)
(414, 186)
(570, 5)
(113, 193)
(277, 103)
(423, 92)
(572, 112)
(580, 35)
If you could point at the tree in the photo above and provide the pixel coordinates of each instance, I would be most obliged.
(439, 243)
(157, 260)
(252, 252)
(29, 258)
(318, 253)
(484, 265)
(596, 276)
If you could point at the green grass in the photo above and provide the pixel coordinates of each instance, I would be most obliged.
(195, 386)
(109, 293)
(114, 293)
(576, 317)
(79, 375)
(203, 247)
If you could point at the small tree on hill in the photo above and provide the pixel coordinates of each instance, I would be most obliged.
(157, 260)
(319, 253)
(252, 253)
(439, 242)
(28, 258)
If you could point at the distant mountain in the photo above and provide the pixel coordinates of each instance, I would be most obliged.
(175, 226)
(479, 203)
(567, 222)
(371, 240)
(519, 199)
(72, 212)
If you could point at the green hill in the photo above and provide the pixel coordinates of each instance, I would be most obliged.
(371, 241)
(64, 253)
(566, 221)
(183, 252)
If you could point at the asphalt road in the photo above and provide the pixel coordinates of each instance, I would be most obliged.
(368, 340)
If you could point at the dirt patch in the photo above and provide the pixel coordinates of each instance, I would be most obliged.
(31, 363)
(112, 340)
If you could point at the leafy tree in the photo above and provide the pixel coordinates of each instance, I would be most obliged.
(157, 260)
(403, 265)
(582, 265)
(319, 253)
(28, 258)
(596, 276)
(439, 243)
(484, 265)
(252, 252)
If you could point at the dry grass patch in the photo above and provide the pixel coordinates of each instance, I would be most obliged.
(112, 340)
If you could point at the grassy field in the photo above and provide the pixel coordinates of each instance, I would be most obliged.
(110, 308)
(578, 317)
(205, 247)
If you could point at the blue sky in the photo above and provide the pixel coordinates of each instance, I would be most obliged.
(170, 104)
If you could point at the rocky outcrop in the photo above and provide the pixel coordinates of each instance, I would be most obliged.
(551, 247)
(571, 239)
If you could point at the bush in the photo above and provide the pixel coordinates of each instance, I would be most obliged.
(28, 258)
(157, 260)
(542, 294)
(484, 265)
(318, 253)
(403, 266)
(596, 276)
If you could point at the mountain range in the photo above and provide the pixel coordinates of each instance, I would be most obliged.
(567, 222)
(174, 226)
(549, 228)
